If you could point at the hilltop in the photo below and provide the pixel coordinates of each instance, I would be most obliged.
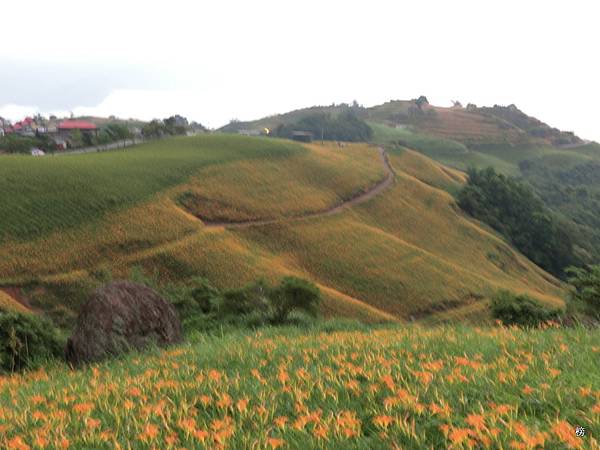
(407, 253)
(558, 165)
(471, 125)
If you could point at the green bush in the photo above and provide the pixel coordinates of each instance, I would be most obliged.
(293, 294)
(586, 283)
(521, 310)
(26, 340)
(249, 299)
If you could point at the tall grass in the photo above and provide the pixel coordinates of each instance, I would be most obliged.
(41, 195)
(329, 387)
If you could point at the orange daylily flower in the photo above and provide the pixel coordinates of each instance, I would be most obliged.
(477, 421)
(275, 442)
(242, 405)
(566, 433)
(201, 435)
(281, 421)
(92, 424)
(383, 421)
(527, 390)
(83, 408)
(17, 443)
(459, 435)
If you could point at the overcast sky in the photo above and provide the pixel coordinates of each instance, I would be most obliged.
(217, 60)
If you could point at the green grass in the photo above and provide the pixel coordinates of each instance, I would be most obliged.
(451, 153)
(331, 386)
(41, 195)
(402, 253)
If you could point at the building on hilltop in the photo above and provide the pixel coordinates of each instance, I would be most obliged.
(67, 127)
(75, 133)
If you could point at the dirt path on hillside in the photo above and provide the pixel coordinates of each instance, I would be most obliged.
(356, 200)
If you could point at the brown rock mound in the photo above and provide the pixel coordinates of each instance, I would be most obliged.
(121, 316)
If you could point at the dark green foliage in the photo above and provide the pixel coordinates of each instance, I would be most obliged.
(204, 295)
(202, 307)
(521, 310)
(573, 190)
(117, 132)
(511, 208)
(246, 300)
(196, 296)
(167, 127)
(422, 100)
(273, 304)
(196, 300)
(14, 143)
(293, 294)
(26, 340)
(586, 283)
(345, 126)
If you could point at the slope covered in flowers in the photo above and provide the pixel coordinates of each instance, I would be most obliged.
(392, 387)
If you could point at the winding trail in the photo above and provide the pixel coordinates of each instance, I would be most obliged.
(356, 200)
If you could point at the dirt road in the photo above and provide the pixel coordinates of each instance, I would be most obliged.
(356, 200)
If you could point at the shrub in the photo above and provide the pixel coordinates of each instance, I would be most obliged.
(521, 310)
(249, 299)
(586, 283)
(293, 294)
(26, 340)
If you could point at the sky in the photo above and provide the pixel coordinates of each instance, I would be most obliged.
(213, 61)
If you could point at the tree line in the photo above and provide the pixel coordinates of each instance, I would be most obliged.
(510, 207)
(345, 126)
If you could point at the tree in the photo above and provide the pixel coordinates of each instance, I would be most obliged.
(76, 139)
(511, 208)
(422, 100)
(345, 126)
(153, 129)
(271, 303)
(293, 294)
(586, 284)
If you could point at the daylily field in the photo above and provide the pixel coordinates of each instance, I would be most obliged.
(388, 387)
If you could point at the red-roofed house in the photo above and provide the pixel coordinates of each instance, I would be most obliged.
(81, 125)
(67, 127)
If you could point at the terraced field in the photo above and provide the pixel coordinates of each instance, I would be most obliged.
(407, 252)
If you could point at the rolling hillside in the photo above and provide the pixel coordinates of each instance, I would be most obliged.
(405, 253)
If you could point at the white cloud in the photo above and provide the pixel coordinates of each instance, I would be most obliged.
(16, 112)
(245, 59)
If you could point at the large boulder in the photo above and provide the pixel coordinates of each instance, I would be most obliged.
(121, 316)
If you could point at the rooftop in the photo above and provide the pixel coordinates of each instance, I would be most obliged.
(76, 125)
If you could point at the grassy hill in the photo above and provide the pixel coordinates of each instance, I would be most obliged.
(406, 253)
(331, 386)
(8, 303)
(564, 177)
